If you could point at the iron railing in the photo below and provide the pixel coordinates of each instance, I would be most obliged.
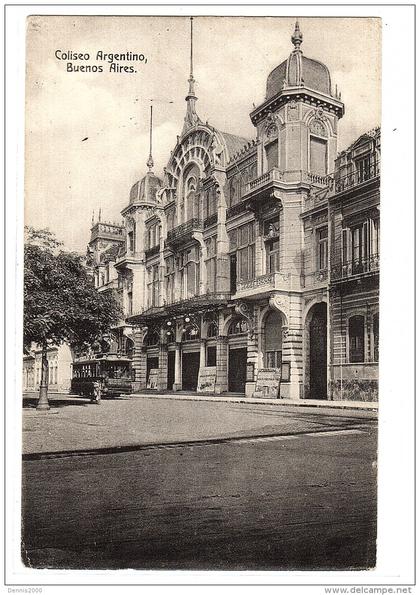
(355, 178)
(152, 251)
(184, 230)
(352, 268)
(274, 175)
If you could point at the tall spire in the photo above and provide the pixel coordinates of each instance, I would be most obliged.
(297, 37)
(150, 162)
(191, 118)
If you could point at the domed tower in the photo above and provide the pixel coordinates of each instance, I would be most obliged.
(142, 208)
(297, 123)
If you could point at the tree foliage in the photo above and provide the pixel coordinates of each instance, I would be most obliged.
(60, 300)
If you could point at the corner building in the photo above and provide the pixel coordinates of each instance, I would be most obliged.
(227, 254)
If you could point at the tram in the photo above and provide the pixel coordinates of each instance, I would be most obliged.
(114, 374)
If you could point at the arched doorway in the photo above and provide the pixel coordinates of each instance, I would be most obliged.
(273, 340)
(318, 351)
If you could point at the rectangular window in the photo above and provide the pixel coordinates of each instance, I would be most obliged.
(318, 156)
(272, 252)
(211, 356)
(131, 245)
(273, 359)
(363, 169)
(322, 248)
(356, 339)
(272, 155)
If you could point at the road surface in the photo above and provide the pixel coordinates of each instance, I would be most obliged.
(303, 501)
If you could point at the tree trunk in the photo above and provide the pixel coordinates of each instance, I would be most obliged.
(43, 404)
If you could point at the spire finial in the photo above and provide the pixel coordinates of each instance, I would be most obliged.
(100, 214)
(297, 36)
(191, 119)
(149, 162)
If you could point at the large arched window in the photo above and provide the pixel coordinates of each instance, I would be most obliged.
(357, 339)
(273, 340)
(190, 333)
(191, 198)
(212, 329)
(238, 326)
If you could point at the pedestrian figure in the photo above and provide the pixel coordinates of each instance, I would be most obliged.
(97, 390)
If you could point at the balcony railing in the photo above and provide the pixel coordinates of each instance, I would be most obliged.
(235, 210)
(152, 251)
(352, 269)
(263, 283)
(357, 177)
(184, 232)
(274, 175)
(210, 220)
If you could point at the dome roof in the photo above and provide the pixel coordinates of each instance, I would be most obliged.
(145, 189)
(298, 70)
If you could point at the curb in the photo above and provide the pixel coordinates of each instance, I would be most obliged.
(352, 405)
(36, 456)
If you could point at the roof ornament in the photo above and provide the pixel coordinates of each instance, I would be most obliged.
(191, 118)
(150, 162)
(297, 37)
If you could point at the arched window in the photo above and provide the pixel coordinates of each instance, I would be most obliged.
(356, 339)
(190, 333)
(212, 330)
(170, 335)
(238, 326)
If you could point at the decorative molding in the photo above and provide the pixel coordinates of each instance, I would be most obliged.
(247, 312)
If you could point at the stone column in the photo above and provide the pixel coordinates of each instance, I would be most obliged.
(203, 343)
(292, 353)
(252, 358)
(221, 365)
(139, 361)
(163, 366)
(177, 383)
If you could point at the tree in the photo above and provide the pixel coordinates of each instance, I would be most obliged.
(61, 303)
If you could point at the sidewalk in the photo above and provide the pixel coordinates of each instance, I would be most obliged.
(73, 424)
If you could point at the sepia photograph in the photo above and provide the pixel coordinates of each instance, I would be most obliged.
(201, 314)
(201, 293)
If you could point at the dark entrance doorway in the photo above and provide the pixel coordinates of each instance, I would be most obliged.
(152, 362)
(190, 368)
(237, 369)
(171, 369)
(318, 352)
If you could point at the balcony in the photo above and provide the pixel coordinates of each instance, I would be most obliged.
(264, 181)
(351, 270)
(264, 284)
(183, 233)
(356, 178)
(152, 251)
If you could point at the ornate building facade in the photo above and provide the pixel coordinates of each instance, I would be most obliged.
(226, 260)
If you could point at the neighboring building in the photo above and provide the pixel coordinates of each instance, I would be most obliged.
(60, 361)
(225, 265)
(354, 293)
(107, 242)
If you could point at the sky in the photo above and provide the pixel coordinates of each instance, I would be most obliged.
(87, 134)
